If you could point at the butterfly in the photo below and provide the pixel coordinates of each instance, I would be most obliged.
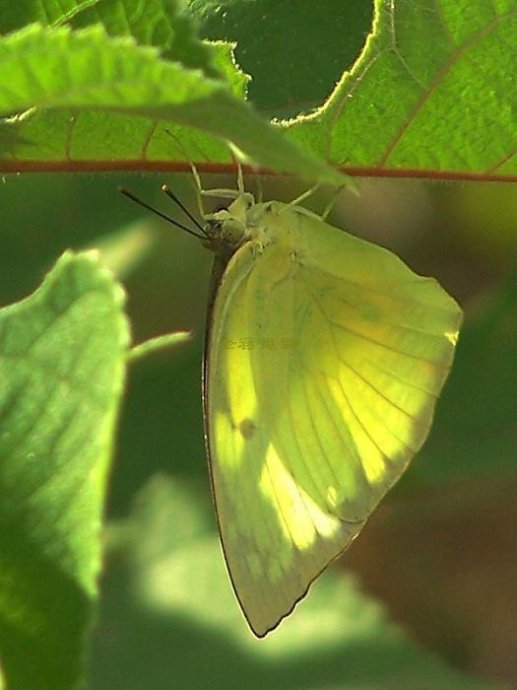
(325, 355)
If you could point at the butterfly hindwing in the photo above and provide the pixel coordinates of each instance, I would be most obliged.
(325, 357)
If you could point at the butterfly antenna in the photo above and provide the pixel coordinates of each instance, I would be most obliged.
(168, 191)
(158, 213)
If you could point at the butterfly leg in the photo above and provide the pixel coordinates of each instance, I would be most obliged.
(330, 205)
(328, 208)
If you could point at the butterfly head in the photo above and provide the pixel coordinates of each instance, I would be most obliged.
(228, 228)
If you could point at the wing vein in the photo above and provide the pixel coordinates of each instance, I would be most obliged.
(368, 338)
(318, 439)
(360, 422)
(410, 384)
(375, 389)
(386, 288)
(301, 451)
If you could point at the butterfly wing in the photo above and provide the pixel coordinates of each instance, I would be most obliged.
(325, 358)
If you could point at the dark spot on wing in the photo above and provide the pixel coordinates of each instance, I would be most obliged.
(247, 428)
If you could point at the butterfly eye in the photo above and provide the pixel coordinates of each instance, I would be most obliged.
(232, 231)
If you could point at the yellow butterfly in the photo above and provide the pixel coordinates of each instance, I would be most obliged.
(325, 355)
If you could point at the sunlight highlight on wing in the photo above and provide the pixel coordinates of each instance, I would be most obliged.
(375, 463)
(300, 517)
(452, 337)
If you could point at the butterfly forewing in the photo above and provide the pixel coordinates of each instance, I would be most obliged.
(325, 358)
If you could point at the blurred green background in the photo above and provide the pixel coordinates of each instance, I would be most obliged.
(441, 550)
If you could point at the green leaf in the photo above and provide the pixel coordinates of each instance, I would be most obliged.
(430, 95)
(61, 372)
(165, 24)
(15, 15)
(431, 92)
(58, 68)
(168, 590)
